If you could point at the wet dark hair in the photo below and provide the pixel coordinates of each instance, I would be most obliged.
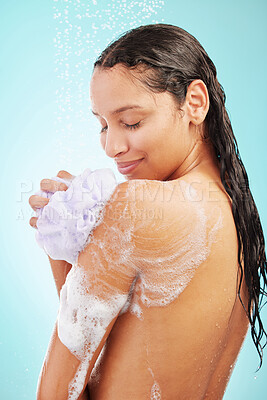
(173, 59)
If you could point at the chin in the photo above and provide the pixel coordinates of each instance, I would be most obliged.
(142, 172)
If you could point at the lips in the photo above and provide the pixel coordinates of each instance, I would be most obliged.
(128, 166)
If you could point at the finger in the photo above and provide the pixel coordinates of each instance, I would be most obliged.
(65, 175)
(37, 201)
(49, 185)
(33, 221)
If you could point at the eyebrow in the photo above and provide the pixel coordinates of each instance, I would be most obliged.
(119, 110)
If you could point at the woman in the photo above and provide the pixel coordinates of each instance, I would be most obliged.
(170, 280)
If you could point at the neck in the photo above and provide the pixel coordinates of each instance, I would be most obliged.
(201, 158)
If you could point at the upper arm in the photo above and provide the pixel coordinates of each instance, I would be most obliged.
(95, 291)
(137, 233)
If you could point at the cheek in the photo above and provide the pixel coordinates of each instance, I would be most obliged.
(157, 140)
(148, 140)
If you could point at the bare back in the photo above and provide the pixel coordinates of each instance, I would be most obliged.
(186, 349)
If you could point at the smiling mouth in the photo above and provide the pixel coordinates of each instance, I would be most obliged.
(126, 167)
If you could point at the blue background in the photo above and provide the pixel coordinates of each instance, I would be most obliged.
(47, 52)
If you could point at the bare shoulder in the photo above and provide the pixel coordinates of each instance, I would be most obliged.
(154, 213)
(153, 200)
(178, 201)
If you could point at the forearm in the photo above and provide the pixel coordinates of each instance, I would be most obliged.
(58, 371)
(60, 270)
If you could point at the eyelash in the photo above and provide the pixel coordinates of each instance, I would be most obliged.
(134, 126)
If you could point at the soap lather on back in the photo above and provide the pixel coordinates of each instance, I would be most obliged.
(174, 329)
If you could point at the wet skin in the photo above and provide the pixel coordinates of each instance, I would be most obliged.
(192, 344)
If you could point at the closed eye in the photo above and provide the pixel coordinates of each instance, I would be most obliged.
(134, 126)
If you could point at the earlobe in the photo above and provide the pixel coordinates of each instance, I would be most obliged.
(197, 99)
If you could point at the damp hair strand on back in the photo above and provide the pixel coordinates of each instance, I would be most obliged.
(170, 59)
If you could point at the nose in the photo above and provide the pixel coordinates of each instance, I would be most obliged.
(114, 143)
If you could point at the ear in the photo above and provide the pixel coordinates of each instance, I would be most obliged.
(197, 101)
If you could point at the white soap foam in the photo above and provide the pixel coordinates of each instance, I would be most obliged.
(171, 269)
(155, 393)
(82, 321)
